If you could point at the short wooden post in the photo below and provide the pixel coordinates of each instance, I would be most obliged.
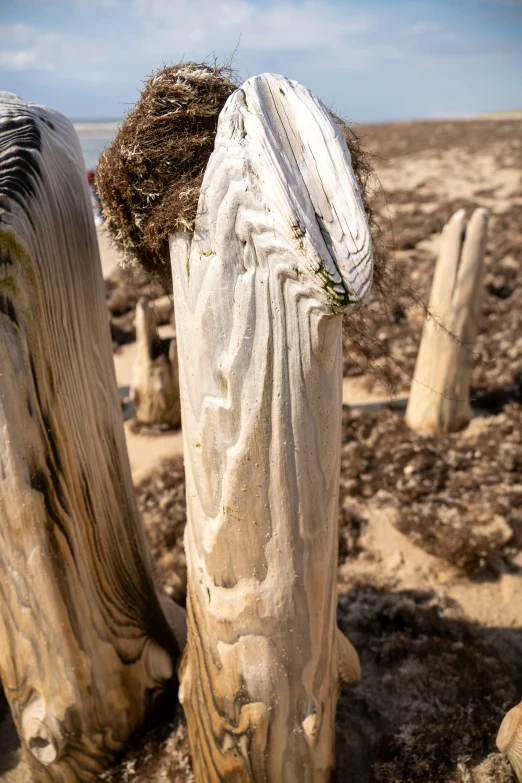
(155, 383)
(84, 645)
(439, 395)
(281, 249)
(509, 739)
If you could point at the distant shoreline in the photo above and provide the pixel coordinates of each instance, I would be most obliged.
(96, 128)
(108, 128)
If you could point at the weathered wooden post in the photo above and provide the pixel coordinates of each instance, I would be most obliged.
(155, 383)
(281, 248)
(439, 395)
(509, 738)
(84, 646)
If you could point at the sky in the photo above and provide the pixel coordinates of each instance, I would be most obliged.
(369, 60)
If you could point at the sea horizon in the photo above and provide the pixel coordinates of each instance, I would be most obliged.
(95, 134)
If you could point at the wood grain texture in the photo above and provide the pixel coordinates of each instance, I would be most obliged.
(281, 248)
(155, 381)
(509, 738)
(84, 646)
(439, 395)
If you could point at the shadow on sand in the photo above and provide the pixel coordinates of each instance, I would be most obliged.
(435, 688)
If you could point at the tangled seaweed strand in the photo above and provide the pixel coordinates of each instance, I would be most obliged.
(390, 285)
(149, 180)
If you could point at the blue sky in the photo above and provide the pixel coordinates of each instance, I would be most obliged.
(370, 60)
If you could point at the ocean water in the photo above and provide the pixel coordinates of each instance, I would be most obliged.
(92, 147)
(94, 137)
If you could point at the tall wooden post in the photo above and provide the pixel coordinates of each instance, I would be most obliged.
(439, 395)
(281, 249)
(84, 646)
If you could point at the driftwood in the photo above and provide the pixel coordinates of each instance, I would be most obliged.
(280, 250)
(164, 310)
(84, 645)
(439, 395)
(155, 383)
(509, 739)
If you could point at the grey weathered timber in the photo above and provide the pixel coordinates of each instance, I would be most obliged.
(439, 395)
(281, 249)
(509, 739)
(155, 381)
(84, 646)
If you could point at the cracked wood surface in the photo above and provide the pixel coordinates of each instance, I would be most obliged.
(84, 646)
(439, 395)
(281, 248)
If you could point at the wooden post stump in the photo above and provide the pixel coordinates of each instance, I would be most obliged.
(84, 645)
(281, 248)
(439, 395)
(509, 739)
(155, 382)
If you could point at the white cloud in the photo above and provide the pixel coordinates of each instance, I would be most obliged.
(17, 33)
(340, 48)
(323, 34)
(288, 26)
(196, 35)
(17, 60)
(421, 28)
(28, 48)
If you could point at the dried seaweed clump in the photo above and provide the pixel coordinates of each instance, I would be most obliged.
(150, 177)
(435, 687)
(161, 502)
(458, 496)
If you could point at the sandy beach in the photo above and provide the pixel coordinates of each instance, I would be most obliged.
(272, 534)
(434, 607)
(430, 559)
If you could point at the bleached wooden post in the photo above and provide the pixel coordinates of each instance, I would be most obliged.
(281, 248)
(155, 383)
(509, 739)
(84, 646)
(439, 395)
